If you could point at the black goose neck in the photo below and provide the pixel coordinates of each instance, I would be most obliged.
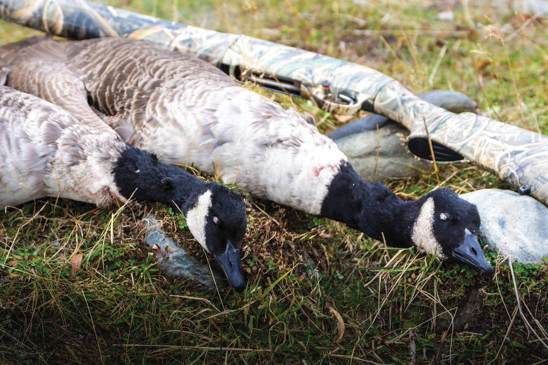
(139, 175)
(369, 207)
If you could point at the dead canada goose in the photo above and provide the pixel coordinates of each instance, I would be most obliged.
(45, 151)
(187, 111)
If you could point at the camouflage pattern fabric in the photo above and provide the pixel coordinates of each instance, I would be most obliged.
(516, 155)
(377, 146)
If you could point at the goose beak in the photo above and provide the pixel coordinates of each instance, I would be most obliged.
(471, 253)
(230, 263)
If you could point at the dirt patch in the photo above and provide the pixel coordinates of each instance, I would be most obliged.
(469, 313)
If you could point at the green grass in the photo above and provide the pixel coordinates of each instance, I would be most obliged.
(318, 290)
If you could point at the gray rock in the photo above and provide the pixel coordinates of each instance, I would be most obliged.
(514, 225)
(382, 153)
(174, 260)
(377, 146)
(531, 7)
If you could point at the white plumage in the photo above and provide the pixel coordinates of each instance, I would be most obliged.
(423, 230)
(44, 151)
(197, 217)
(259, 148)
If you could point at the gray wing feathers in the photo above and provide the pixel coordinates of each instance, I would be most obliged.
(38, 67)
(22, 166)
(44, 151)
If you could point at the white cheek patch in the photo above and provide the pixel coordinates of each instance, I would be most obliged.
(423, 230)
(196, 218)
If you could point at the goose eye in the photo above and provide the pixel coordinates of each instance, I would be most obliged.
(216, 219)
(444, 216)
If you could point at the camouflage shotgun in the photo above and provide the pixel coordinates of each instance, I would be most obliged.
(518, 156)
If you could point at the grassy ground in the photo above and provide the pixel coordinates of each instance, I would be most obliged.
(78, 286)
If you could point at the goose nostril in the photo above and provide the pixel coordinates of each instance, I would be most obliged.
(474, 251)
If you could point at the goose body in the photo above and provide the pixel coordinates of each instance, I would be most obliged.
(45, 151)
(187, 111)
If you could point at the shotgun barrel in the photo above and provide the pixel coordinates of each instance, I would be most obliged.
(518, 156)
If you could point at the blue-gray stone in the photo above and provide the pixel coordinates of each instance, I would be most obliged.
(174, 260)
(514, 225)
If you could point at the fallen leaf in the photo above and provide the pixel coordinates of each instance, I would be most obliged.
(342, 118)
(323, 234)
(76, 262)
(481, 64)
(341, 327)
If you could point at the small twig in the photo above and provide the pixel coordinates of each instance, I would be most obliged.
(354, 358)
(18, 231)
(441, 55)
(94, 330)
(438, 33)
(268, 215)
(204, 348)
(431, 147)
(505, 335)
(516, 292)
(523, 26)
(188, 297)
(467, 15)
(213, 277)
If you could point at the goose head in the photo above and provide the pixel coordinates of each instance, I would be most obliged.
(440, 223)
(448, 226)
(216, 217)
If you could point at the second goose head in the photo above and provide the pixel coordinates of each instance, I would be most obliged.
(215, 216)
(447, 226)
(440, 223)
